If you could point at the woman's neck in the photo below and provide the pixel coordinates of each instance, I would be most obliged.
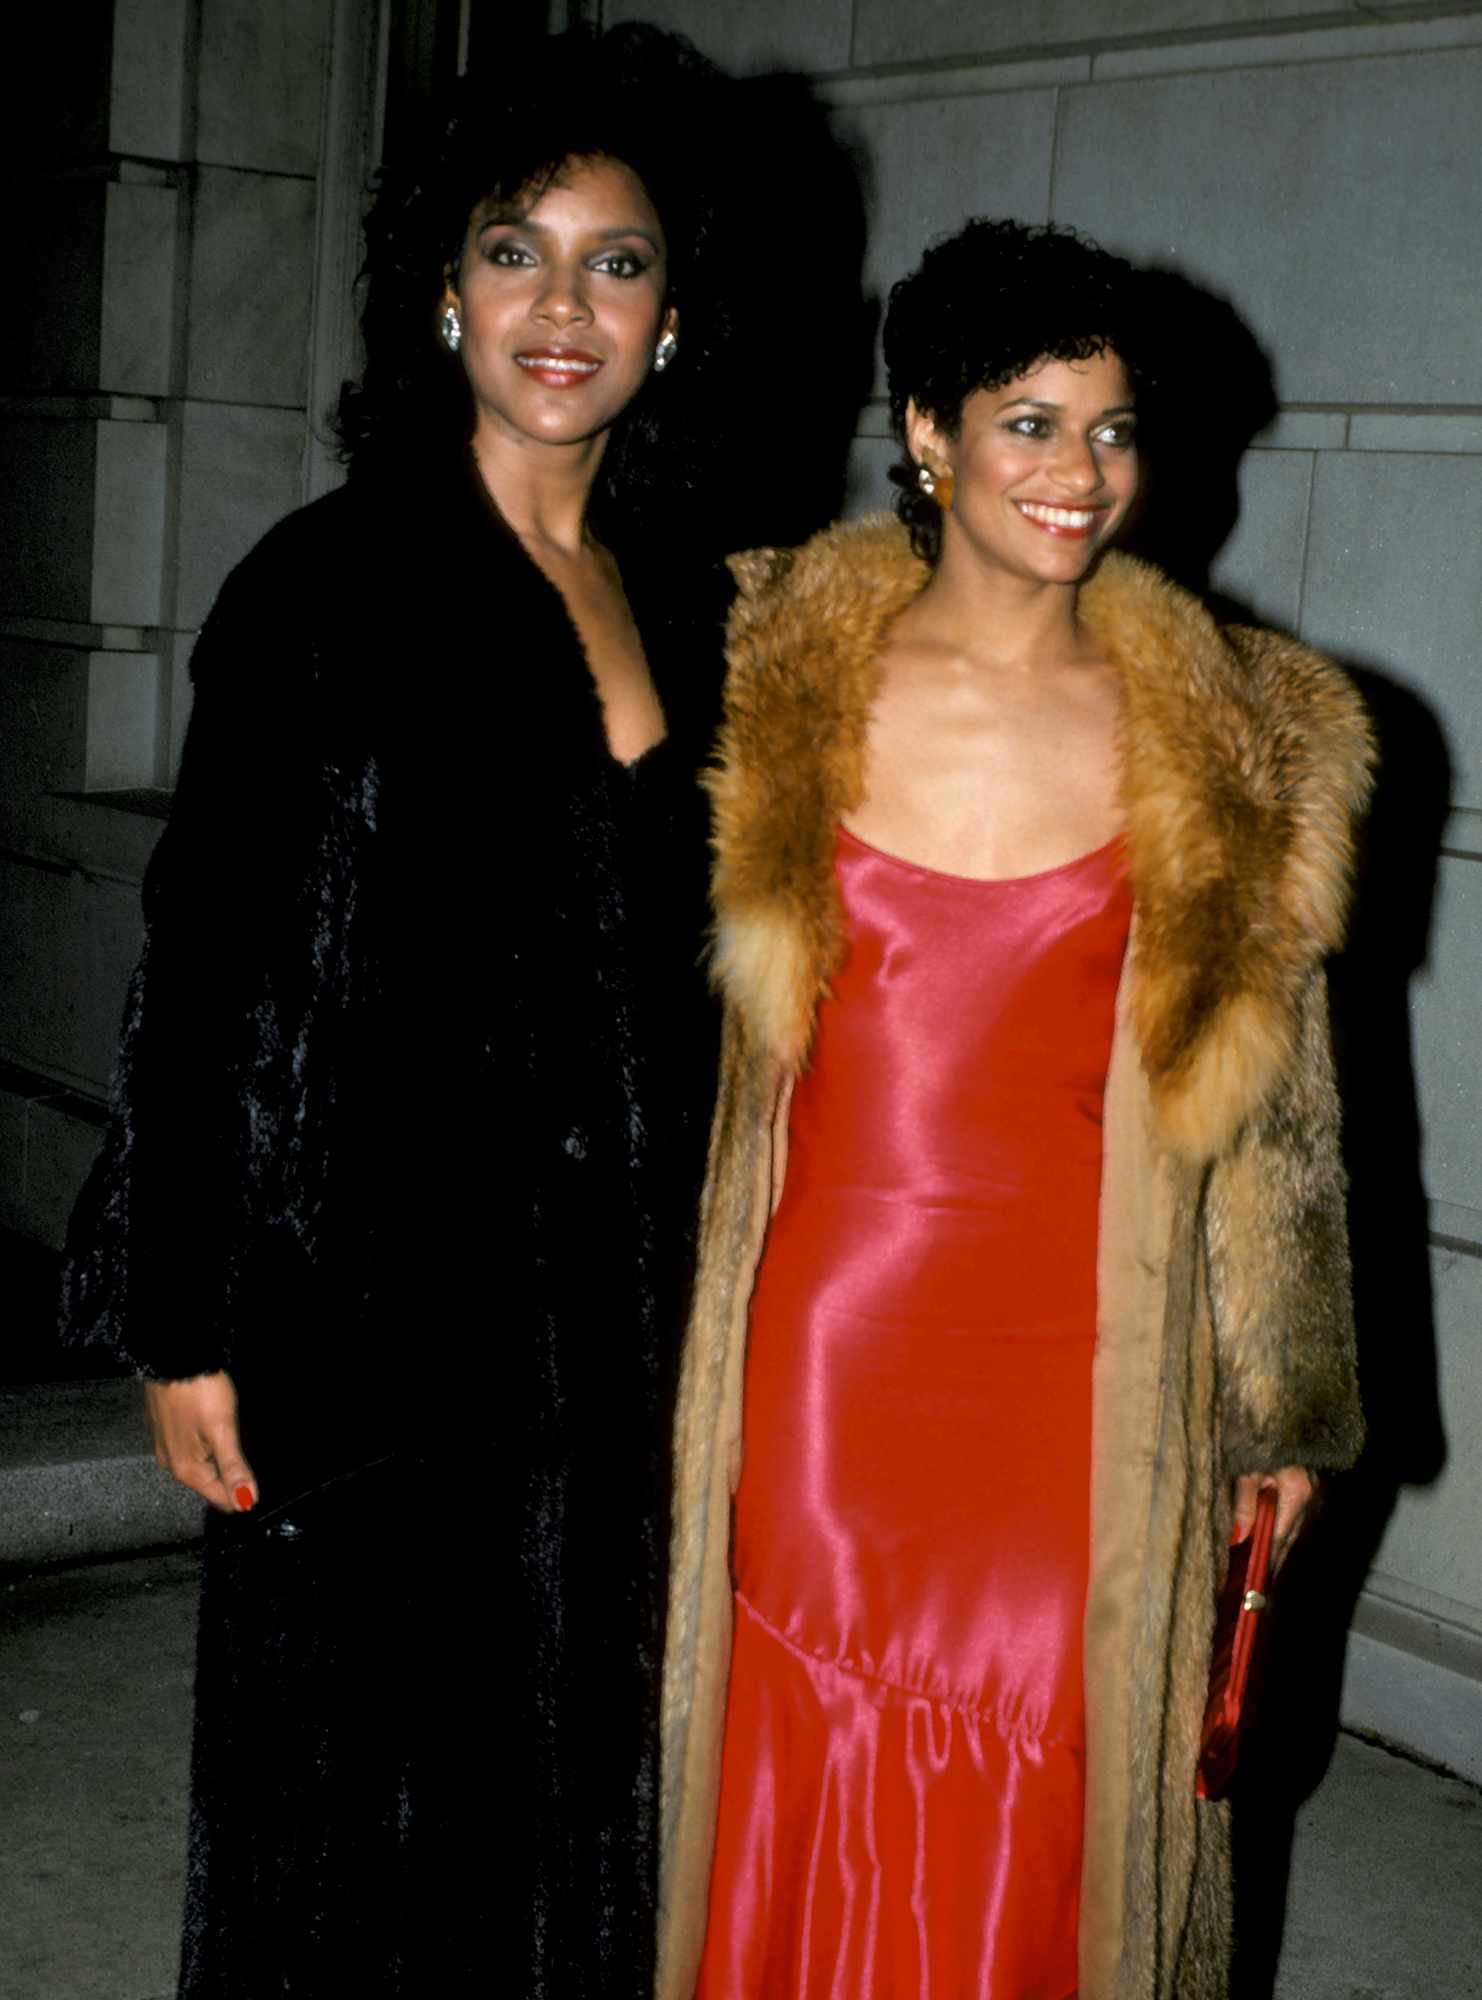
(543, 491)
(988, 614)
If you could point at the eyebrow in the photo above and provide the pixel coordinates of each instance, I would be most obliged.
(1043, 403)
(511, 218)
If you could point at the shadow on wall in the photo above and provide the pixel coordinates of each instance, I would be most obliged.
(1212, 393)
(1388, 944)
(1220, 393)
(803, 325)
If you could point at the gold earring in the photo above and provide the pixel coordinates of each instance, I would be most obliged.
(936, 486)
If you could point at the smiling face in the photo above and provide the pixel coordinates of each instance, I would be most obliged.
(1044, 468)
(562, 305)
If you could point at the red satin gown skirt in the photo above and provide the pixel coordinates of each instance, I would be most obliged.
(901, 1795)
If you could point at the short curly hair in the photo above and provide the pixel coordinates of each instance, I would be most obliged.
(634, 94)
(985, 305)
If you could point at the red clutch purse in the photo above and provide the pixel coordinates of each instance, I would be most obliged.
(1238, 1623)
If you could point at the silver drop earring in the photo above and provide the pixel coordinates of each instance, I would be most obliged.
(925, 481)
(452, 328)
(665, 352)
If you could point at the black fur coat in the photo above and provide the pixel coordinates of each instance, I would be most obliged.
(410, 1117)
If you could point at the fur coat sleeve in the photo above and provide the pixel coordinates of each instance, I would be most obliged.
(1284, 1325)
(249, 958)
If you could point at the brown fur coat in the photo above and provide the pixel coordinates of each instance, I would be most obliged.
(1224, 1339)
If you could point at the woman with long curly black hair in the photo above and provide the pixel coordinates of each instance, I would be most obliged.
(395, 1210)
(1023, 1263)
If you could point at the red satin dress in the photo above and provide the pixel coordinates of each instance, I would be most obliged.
(902, 1786)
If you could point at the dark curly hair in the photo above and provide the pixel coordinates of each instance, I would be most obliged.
(634, 94)
(984, 306)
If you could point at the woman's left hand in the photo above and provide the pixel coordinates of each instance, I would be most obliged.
(1295, 1488)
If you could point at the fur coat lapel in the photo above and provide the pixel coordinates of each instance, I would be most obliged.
(1244, 759)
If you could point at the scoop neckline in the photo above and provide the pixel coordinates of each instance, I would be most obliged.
(980, 881)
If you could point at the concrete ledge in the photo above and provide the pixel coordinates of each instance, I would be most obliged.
(1414, 1702)
(49, 1138)
(77, 1479)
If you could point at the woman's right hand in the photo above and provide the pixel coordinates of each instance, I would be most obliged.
(194, 1427)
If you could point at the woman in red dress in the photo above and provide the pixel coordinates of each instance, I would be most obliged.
(1021, 1344)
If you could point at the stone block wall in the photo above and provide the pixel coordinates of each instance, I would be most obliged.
(1318, 166)
(184, 178)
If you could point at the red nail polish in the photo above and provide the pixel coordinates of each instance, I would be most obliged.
(1238, 1534)
(243, 1497)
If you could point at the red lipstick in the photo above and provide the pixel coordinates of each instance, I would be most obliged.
(1062, 519)
(559, 367)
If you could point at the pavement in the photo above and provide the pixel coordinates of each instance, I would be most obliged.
(1384, 1900)
(95, 1686)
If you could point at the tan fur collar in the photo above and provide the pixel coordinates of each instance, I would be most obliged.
(1245, 760)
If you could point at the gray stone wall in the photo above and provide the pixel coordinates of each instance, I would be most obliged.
(1320, 167)
(185, 180)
